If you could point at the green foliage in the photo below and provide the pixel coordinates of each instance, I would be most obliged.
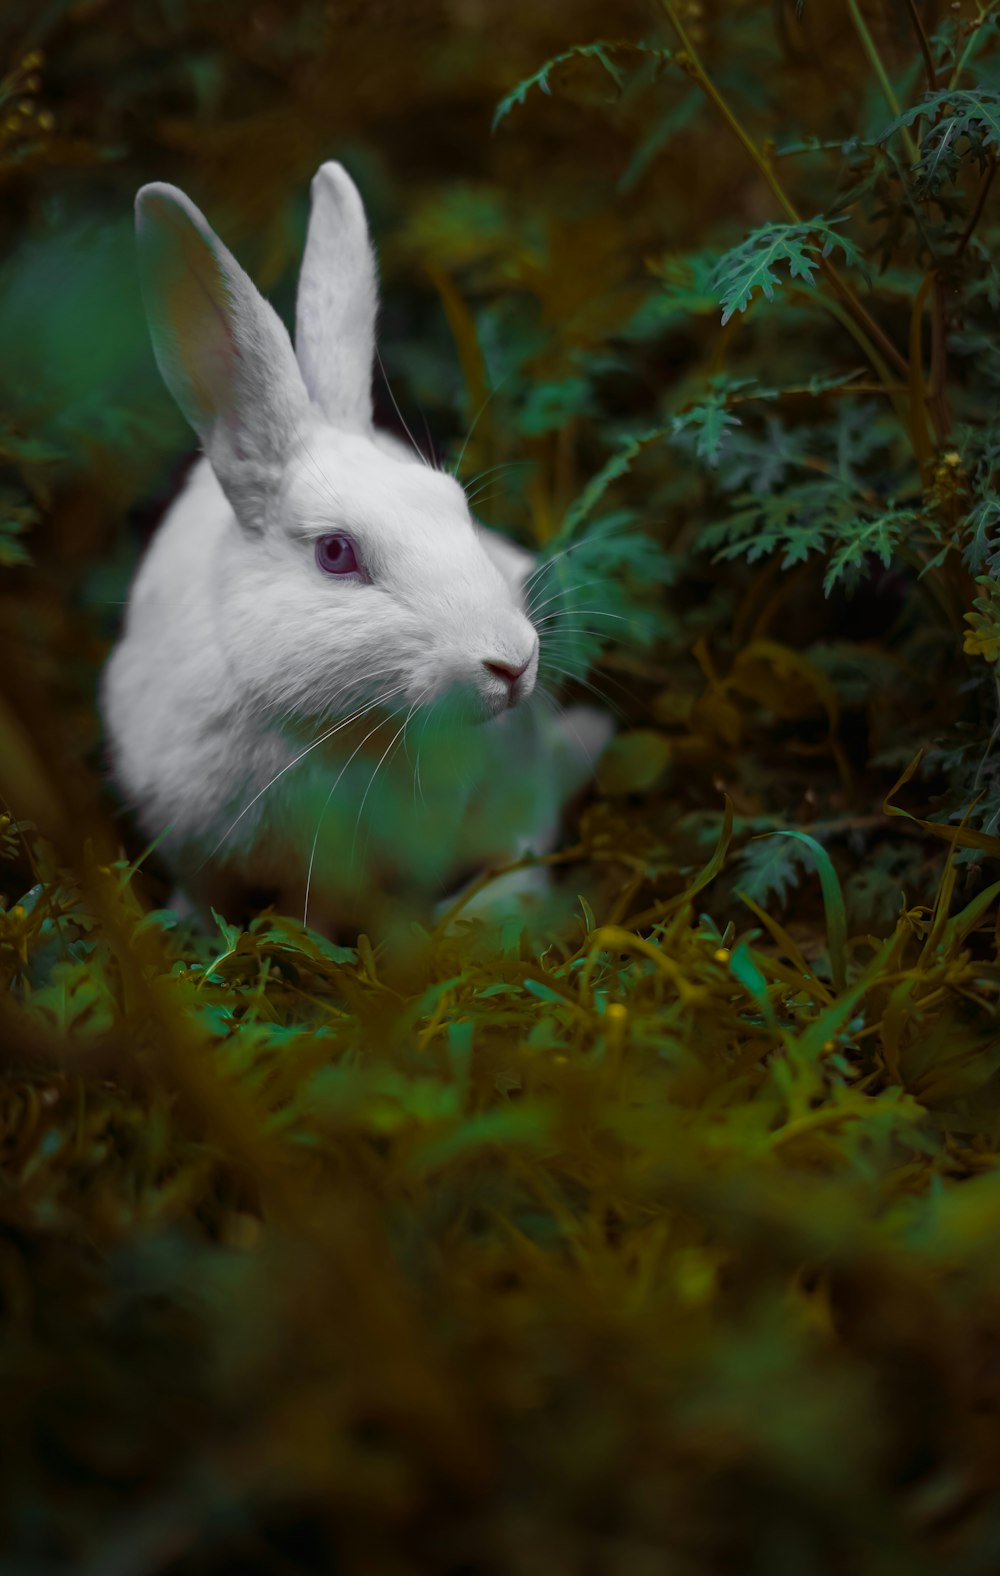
(16, 516)
(753, 265)
(771, 868)
(661, 1235)
(601, 51)
(963, 124)
(709, 422)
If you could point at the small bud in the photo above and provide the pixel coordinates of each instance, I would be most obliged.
(722, 954)
(46, 120)
(32, 60)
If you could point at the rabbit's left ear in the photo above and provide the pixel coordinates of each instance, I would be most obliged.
(223, 351)
(337, 301)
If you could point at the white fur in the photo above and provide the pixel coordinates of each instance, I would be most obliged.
(238, 652)
(338, 296)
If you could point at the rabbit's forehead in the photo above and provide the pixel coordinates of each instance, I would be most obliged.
(360, 483)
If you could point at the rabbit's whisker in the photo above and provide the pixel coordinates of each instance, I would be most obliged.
(534, 607)
(483, 497)
(323, 738)
(609, 678)
(593, 536)
(429, 459)
(324, 491)
(565, 552)
(390, 750)
(322, 813)
(576, 678)
(418, 450)
(475, 421)
(491, 470)
(580, 612)
(416, 768)
(575, 629)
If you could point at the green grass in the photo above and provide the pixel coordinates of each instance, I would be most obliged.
(523, 1256)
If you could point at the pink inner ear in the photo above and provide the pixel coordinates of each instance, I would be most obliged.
(196, 315)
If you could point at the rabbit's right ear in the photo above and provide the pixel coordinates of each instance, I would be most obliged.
(223, 351)
(338, 296)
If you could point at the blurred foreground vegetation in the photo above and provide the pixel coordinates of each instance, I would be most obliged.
(667, 1242)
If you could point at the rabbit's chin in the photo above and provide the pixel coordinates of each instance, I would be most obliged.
(467, 706)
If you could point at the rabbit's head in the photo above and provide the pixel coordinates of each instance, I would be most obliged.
(350, 571)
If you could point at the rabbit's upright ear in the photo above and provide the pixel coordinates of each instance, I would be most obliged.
(338, 292)
(223, 351)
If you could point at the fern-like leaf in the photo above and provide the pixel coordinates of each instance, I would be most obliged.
(707, 424)
(967, 125)
(754, 264)
(601, 51)
(879, 536)
(771, 867)
(982, 638)
(617, 466)
(982, 549)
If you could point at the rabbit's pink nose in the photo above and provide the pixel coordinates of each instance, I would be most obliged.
(510, 672)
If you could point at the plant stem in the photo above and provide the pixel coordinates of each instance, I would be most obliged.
(918, 401)
(925, 48)
(938, 402)
(977, 212)
(838, 389)
(864, 329)
(838, 310)
(875, 61)
(985, 11)
(696, 69)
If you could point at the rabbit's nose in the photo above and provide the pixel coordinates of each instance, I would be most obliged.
(510, 672)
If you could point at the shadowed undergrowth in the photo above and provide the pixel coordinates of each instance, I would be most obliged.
(650, 1239)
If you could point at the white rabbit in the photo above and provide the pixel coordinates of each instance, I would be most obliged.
(319, 624)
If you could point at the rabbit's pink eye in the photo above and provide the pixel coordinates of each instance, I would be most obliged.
(335, 555)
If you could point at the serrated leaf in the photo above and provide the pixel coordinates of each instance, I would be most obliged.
(601, 51)
(879, 537)
(708, 424)
(754, 264)
(972, 117)
(981, 548)
(620, 462)
(770, 869)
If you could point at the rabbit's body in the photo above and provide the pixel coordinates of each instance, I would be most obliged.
(319, 677)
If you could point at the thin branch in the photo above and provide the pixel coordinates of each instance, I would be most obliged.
(804, 389)
(882, 76)
(938, 401)
(925, 48)
(865, 328)
(977, 212)
(962, 58)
